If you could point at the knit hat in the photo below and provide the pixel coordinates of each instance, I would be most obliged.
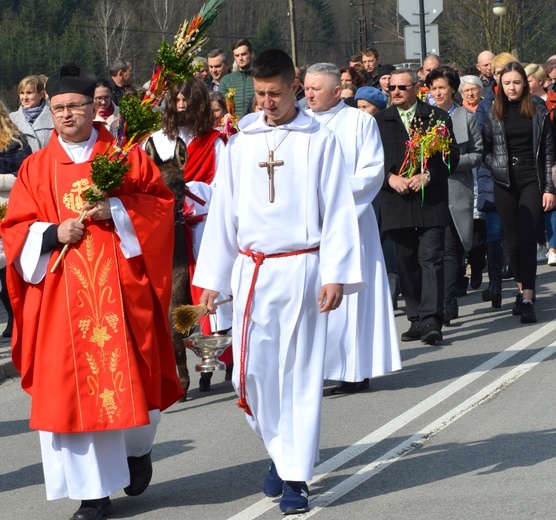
(385, 70)
(71, 79)
(373, 96)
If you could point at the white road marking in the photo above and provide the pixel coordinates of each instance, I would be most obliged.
(426, 433)
(322, 470)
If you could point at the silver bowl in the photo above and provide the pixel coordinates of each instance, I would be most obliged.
(208, 348)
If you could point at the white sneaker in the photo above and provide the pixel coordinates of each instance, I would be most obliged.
(542, 253)
(551, 258)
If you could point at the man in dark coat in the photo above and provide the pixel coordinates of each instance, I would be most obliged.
(415, 210)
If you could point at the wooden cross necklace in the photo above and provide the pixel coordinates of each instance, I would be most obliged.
(270, 164)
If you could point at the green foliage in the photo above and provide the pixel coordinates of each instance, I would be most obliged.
(325, 17)
(139, 118)
(106, 175)
(270, 36)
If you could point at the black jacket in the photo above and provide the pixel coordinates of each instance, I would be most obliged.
(496, 150)
(403, 211)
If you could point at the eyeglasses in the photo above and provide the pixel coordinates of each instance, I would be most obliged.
(391, 88)
(58, 110)
(102, 98)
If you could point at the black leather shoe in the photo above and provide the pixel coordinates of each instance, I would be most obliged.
(345, 387)
(140, 474)
(431, 334)
(93, 509)
(8, 330)
(413, 333)
(204, 382)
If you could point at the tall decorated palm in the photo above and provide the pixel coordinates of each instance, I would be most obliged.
(138, 118)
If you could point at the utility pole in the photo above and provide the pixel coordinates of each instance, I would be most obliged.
(292, 32)
(362, 23)
(422, 30)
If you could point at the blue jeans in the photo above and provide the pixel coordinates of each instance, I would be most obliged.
(495, 232)
(550, 228)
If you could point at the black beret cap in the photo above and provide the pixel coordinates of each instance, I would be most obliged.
(71, 79)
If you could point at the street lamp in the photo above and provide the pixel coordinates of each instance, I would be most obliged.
(499, 8)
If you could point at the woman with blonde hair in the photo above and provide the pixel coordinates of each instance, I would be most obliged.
(33, 119)
(13, 150)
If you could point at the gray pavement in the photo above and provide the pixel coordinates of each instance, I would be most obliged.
(464, 431)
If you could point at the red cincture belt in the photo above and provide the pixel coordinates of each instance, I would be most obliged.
(258, 258)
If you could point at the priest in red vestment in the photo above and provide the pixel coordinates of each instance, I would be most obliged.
(91, 339)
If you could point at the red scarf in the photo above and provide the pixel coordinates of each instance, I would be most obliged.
(105, 114)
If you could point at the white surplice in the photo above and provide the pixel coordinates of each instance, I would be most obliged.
(362, 338)
(287, 335)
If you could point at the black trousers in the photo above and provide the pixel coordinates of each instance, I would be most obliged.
(419, 256)
(520, 207)
(453, 260)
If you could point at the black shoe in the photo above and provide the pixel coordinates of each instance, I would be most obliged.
(494, 295)
(229, 372)
(451, 311)
(507, 273)
(528, 312)
(93, 509)
(345, 387)
(476, 279)
(516, 309)
(140, 474)
(431, 334)
(204, 382)
(8, 330)
(413, 333)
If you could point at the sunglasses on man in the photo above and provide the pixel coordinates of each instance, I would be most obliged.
(391, 88)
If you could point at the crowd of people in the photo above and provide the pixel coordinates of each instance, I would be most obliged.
(314, 214)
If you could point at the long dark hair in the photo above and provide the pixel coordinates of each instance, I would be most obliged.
(198, 113)
(500, 104)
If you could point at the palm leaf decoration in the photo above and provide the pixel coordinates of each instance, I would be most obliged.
(138, 118)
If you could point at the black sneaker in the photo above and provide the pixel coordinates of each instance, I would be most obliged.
(528, 312)
(516, 309)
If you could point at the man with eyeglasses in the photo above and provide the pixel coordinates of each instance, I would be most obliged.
(414, 210)
(91, 339)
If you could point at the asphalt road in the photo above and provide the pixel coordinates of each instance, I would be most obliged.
(467, 430)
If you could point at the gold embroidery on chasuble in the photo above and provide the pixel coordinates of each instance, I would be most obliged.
(97, 322)
(73, 200)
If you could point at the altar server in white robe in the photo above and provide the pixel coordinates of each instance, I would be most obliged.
(362, 338)
(282, 238)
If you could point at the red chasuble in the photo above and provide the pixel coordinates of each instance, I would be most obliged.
(92, 340)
